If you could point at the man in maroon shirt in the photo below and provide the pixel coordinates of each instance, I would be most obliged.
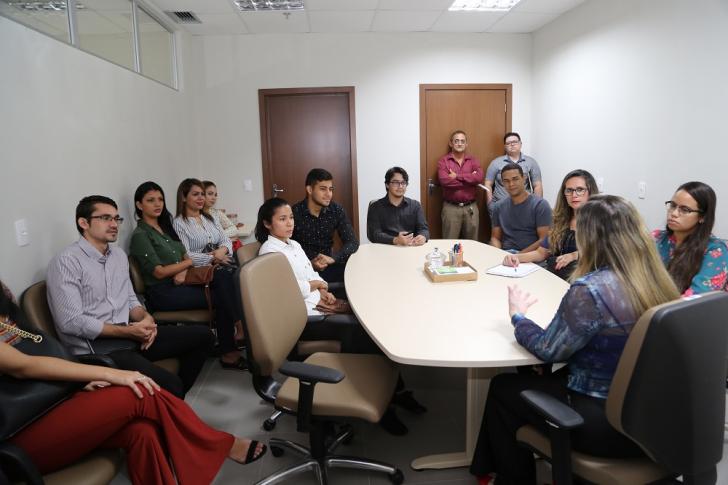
(459, 175)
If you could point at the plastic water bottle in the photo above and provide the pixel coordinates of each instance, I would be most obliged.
(435, 259)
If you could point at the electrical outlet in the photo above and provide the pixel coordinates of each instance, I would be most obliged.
(248, 185)
(600, 184)
(21, 232)
(642, 190)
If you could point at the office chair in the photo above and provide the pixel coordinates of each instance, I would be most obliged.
(667, 395)
(245, 254)
(197, 316)
(318, 391)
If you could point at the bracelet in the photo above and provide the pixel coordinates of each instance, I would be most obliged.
(517, 317)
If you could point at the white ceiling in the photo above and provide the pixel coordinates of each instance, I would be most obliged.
(104, 17)
(223, 17)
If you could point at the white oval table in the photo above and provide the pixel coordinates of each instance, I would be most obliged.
(450, 324)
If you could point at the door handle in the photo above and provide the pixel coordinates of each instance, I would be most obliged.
(430, 185)
(276, 190)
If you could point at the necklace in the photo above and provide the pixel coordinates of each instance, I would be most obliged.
(21, 333)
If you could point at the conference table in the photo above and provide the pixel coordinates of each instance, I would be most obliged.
(446, 324)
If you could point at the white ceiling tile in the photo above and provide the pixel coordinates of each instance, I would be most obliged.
(120, 19)
(413, 5)
(399, 21)
(196, 6)
(275, 22)
(336, 5)
(466, 21)
(216, 29)
(34, 22)
(107, 5)
(92, 23)
(546, 6)
(340, 21)
(522, 22)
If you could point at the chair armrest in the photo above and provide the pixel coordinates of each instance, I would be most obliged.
(97, 359)
(553, 410)
(15, 461)
(311, 373)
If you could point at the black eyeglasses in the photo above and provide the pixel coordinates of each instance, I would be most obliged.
(681, 209)
(107, 218)
(398, 183)
(579, 191)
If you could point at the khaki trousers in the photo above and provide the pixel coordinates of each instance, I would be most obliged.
(460, 222)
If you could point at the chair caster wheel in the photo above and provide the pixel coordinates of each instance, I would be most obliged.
(269, 425)
(397, 477)
(278, 452)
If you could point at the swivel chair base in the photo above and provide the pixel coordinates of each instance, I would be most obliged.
(321, 466)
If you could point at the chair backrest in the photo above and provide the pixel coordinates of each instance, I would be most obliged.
(275, 313)
(668, 391)
(34, 303)
(135, 273)
(246, 252)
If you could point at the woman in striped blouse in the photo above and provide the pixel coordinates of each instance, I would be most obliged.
(164, 257)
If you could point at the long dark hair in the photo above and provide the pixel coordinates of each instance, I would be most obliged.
(688, 256)
(184, 188)
(265, 214)
(563, 213)
(7, 305)
(165, 218)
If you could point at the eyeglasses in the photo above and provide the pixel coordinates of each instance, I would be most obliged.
(681, 209)
(107, 218)
(511, 143)
(459, 142)
(398, 183)
(579, 191)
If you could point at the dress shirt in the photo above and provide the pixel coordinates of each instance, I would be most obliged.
(589, 331)
(385, 221)
(196, 236)
(713, 271)
(462, 187)
(316, 234)
(531, 172)
(87, 289)
(151, 249)
(301, 268)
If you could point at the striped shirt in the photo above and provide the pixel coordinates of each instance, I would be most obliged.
(195, 236)
(87, 289)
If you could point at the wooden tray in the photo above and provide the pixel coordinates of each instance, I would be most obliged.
(440, 278)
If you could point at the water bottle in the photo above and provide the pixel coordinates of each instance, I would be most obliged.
(435, 259)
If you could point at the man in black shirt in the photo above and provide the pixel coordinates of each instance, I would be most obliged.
(317, 218)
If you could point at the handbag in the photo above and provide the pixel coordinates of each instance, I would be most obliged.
(200, 275)
(105, 346)
(22, 401)
(339, 306)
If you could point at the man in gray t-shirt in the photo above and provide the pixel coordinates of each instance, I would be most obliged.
(531, 171)
(522, 220)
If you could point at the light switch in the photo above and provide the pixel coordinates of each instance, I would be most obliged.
(642, 190)
(248, 185)
(21, 232)
(600, 183)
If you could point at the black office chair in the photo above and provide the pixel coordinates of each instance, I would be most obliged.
(667, 395)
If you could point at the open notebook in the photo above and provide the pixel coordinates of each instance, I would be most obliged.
(523, 269)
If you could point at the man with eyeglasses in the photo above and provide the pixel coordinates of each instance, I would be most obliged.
(522, 220)
(531, 171)
(396, 219)
(96, 311)
(459, 175)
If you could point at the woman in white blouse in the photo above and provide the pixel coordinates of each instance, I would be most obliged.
(230, 229)
(207, 244)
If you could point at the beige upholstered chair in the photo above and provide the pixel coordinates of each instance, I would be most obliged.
(200, 316)
(324, 388)
(247, 252)
(667, 395)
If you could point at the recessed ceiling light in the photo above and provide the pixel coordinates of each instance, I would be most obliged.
(483, 5)
(268, 5)
(52, 6)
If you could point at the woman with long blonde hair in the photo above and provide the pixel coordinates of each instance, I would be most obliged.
(619, 275)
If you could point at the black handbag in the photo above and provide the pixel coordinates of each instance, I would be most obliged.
(22, 401)
(105, 346)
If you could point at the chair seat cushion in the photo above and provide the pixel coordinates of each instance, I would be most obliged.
(364, 393)
(171, 364)
(183, 316)
(96, 468)
(308, 347)
(605, 471)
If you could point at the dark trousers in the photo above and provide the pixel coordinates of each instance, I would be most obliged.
(190, 344)
(334, 273)
(505, 411)
(170, 297)
(342, 327)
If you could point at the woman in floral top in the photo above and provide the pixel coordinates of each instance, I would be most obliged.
(696, 260)
(619, 275)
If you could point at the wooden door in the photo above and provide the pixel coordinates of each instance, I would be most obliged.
(483, 111)
(305, 128)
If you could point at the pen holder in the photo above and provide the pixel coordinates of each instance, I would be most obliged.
(458, 259)
(451, 258)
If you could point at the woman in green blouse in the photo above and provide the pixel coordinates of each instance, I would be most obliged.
(163, 261)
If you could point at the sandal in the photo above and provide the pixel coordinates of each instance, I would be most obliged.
(250, 456)
(239, 364)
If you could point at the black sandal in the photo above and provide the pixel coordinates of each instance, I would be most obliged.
(250, 455)
(239, 364)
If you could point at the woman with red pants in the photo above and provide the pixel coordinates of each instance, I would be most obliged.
(125, 410)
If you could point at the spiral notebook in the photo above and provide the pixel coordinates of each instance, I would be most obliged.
(523, 269)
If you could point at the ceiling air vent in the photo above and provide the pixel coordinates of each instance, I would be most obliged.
(184, 17)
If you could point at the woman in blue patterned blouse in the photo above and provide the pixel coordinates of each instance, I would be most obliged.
(618, 277)
(696, 260)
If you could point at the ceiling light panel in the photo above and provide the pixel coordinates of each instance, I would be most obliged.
(268, 5)
(483, 5)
